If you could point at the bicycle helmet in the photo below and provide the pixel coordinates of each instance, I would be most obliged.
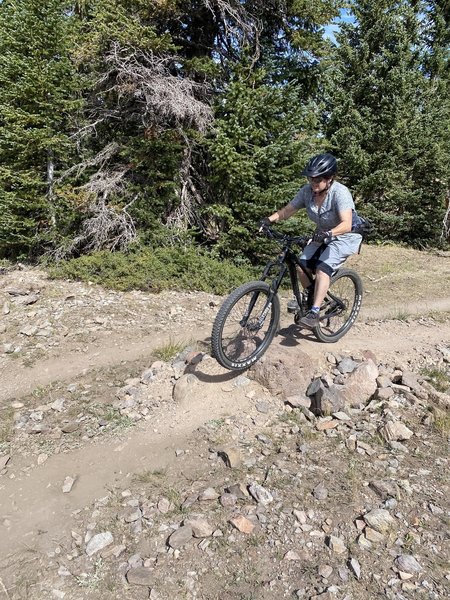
(320, 166)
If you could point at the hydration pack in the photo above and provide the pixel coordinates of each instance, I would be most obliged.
(361, 225)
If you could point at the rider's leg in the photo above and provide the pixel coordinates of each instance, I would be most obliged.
(330, 259)
(304, 279)
(321, 287)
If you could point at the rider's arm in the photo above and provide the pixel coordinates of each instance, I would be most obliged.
(284, 213)
(345, 224)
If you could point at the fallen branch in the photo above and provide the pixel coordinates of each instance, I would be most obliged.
(3, 588)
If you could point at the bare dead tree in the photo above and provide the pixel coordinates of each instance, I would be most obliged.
(145, 89)
(163, 98)
(108, 227)
(100, 160)
(238, 23)
(190, 197)
(445, 232)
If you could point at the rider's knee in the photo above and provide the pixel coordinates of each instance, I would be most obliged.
(324, 268)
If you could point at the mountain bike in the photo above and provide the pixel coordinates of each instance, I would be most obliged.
(249, 317)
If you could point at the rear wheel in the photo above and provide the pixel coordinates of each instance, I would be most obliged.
(245, 325)
(340, 307)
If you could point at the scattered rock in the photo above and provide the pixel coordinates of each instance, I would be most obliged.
(141, 576)
(68, 484)
(336, 545)
(208, 495)
(4, 460)
(231, 456)
(408, 564)
(320, 492)
(292, 555)
(132, 514)
(70, 427)
(395, 431)
(260, 494)
(200, 527)
(355, 567)
(380, 520)
(99, 542)
(242, 524)
(184, 387)
(384, 489)
(284, 373)
(180, 537)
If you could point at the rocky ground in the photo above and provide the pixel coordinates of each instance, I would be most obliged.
(132, 466)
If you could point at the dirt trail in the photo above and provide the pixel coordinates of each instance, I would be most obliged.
(110, 349)
(33, 510)
(32, 504)
(37, 511)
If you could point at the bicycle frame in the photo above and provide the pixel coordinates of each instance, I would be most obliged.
(287, 261)
(253, 303)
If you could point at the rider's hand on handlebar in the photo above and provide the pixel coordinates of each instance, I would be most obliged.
(321, 237)
(264, 224)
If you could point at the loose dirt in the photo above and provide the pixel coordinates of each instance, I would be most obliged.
(79, 343)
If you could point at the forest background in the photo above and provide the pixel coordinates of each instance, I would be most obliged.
(154, 134)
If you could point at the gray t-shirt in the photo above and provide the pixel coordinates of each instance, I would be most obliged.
(338, 199)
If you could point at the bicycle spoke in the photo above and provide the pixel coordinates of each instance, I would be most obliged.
(341, 306)
(245, 325)
(239, 342)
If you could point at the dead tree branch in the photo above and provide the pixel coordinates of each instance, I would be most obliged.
(445, 233)
(238, 23)
(190, 197)
(99, 160)
(108, 228)
(162, 97)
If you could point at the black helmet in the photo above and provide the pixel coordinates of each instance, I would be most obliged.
(321, 165)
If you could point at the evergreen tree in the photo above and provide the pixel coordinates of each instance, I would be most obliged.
(387, 122)
(436, 41)
(214, 53)
(263, 137)
(38, 98)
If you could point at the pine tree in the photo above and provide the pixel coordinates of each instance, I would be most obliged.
(38, 97)
(436, 42)
(258, 60)
(263, 136)
(386, 124)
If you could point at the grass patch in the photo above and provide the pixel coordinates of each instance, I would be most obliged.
(93, 579)
(442, 423)
(6, 426)
(169, 350)
(117, 420)
(149, 476)
(439, 378)
(155, 270)
(402, 315)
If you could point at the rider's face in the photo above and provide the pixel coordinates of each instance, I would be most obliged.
(319, 184)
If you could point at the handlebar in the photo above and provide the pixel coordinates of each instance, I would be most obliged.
(283, 238)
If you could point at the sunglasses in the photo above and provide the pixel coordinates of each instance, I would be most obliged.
(316, 179)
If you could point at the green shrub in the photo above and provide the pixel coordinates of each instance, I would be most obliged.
(165, 268)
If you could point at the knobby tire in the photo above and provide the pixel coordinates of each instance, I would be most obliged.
(236, 344)
(336, 317)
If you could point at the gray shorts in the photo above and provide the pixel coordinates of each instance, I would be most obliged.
(328, 258)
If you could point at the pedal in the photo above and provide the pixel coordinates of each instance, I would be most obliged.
(293, 307)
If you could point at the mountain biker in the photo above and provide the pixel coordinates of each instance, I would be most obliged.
(329, 204)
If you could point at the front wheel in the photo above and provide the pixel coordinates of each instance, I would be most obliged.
(340, 307)
(245, 325)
